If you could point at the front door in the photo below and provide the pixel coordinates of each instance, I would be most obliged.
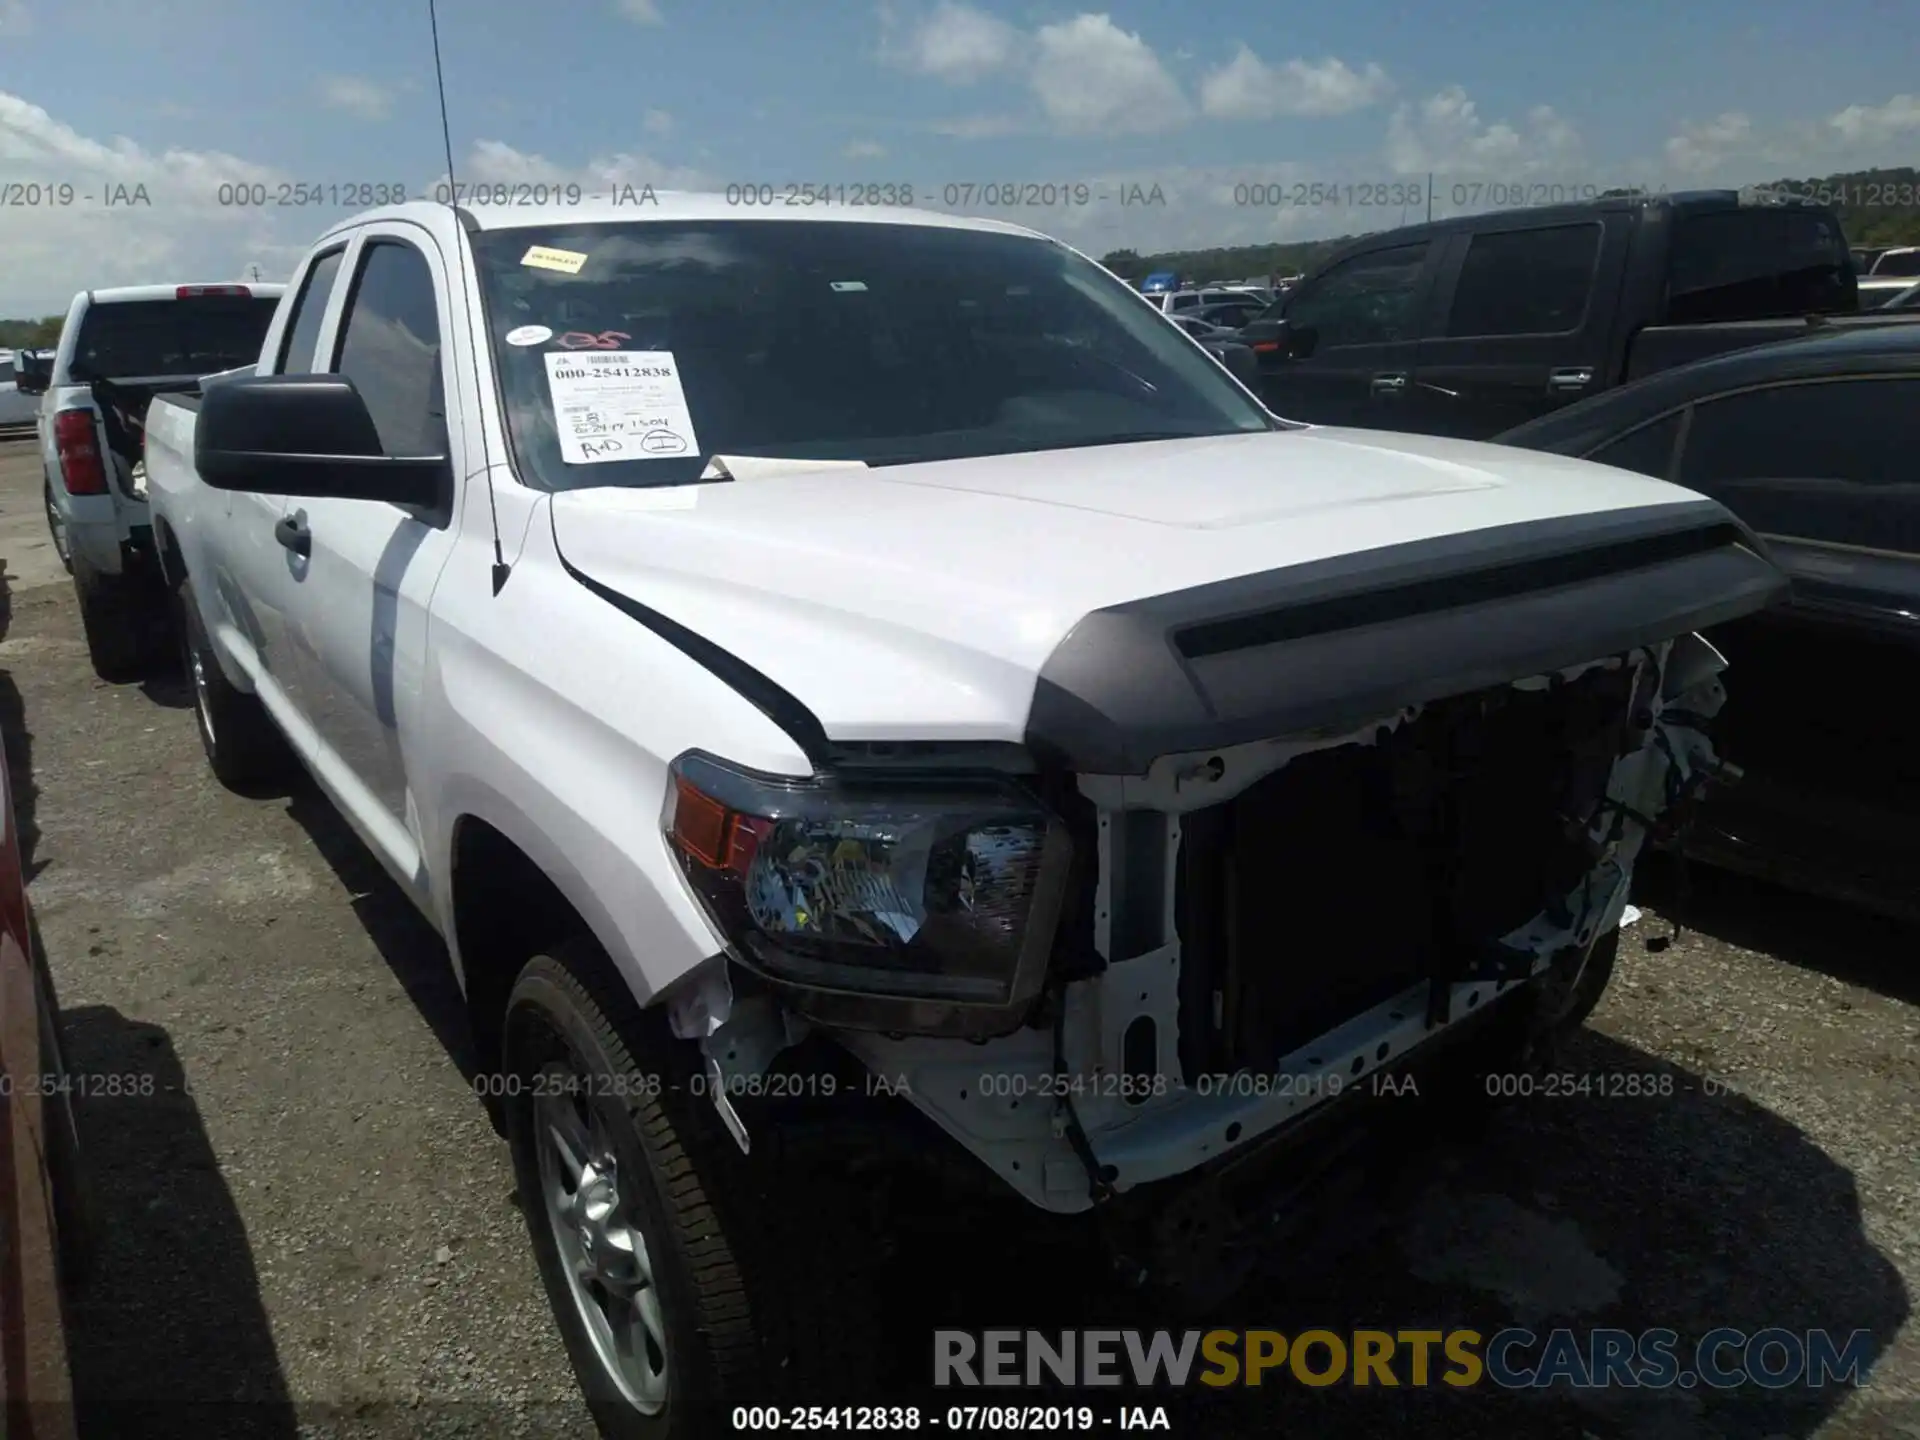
(1352, 333)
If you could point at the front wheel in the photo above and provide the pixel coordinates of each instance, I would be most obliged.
(661, 1247)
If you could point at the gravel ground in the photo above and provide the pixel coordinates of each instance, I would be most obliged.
(310, 1211)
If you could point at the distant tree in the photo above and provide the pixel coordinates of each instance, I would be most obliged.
(39, 334)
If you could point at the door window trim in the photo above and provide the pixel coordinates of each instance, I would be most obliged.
(301, 295)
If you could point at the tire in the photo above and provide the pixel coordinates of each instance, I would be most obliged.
(755, 1299)
(1593, 980)
(115, 628)
(57, 529)
(244, 748)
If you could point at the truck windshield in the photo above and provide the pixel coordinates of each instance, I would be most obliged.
(200, 335)
(631, 354)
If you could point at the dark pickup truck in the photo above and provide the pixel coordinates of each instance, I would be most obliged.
(1469, 326)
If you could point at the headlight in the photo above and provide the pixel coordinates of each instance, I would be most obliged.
(941, 891)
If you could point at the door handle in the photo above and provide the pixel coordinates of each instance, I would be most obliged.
(1562, 381)
(294, 535)
(1389, 384)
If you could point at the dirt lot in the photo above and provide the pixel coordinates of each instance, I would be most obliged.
(312, 1214)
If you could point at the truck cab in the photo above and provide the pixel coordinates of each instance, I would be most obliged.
(1468, 326)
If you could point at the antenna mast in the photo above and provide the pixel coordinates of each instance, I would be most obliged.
(500, 567)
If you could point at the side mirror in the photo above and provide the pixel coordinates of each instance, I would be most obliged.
(1300, 339)
(308, 435)
(1239, 359)
(30, 373)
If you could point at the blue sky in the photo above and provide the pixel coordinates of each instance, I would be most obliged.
(196, 93)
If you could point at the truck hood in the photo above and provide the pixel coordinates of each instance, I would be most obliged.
(924, 601)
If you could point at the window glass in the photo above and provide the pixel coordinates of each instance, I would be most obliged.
(1367, 300)
(1898, 262)
(199, 335)
(1757, 263)
(839, 340)
(391, 349)
(309, 309)
(1829, 460)
(1526, 282)
(1646, 451)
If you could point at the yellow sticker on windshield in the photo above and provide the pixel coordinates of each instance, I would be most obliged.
(542, 257)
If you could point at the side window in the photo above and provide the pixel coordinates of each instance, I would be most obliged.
(1645, 451)
(309, 309)
(1526, 282)
(390, 348)
(1367, 300)
(1820, 460)
(1757, 263)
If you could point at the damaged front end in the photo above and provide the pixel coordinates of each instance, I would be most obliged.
(1120, 977)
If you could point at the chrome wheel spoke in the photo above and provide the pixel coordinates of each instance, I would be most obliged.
(600, 1248)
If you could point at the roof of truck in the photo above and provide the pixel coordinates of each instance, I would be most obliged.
(115, 294)
(644, 204)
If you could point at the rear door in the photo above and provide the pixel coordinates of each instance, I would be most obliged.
(254, 573)
(1527, 310)
(1353, 329)
(1821, 712)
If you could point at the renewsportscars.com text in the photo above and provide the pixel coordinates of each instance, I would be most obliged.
(1516, 1359)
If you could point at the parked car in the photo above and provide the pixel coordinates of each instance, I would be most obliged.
(1180, 301)
(17, 407)
(1877, 290)
(1865, 255)
(1907, 299)
(1812, 443)
(1469, 326)
(1897, 262)
(1224, 345)
(46, 1231)
(938, 694)
(1230, 314)
(118, 349)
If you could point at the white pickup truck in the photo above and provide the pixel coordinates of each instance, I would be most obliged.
(867, 677)
(118, 349)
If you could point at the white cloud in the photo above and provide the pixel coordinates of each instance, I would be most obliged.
(656, 122)
(956, 43)
(181, 232)
(640, 12)
(865, 150)
(1899, 116)
(496, 162)
(1248, 88)
(356, 95)
(1093, 78)
(981, 127)
(1445, 134)
(1702, 148)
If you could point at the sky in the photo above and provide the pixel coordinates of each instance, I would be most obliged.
(134, 136)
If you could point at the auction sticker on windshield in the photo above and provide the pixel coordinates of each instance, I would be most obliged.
(619, 405)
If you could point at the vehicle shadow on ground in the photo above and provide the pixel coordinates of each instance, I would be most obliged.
(1850, 944)
(170, 1337)
(411, 948)
(1686, 1211)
